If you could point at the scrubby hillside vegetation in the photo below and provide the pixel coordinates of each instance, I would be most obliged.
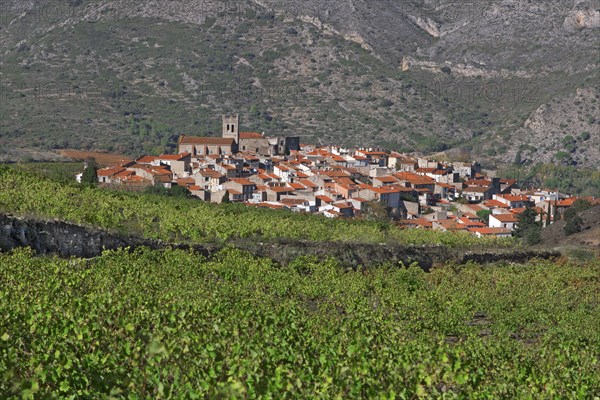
(486, 78)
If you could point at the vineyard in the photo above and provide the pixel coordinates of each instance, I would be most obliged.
(169, 324)
(190, 220)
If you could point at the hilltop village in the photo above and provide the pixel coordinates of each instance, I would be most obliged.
(282, 173)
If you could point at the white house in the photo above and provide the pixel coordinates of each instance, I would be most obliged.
(508, 221)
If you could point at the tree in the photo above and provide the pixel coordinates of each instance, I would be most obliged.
(484, 215)
(527, 227)
(548, 216)
(226, 197)
(518, 159)
(90, 174)
(180, 191)
(376, 211)
(533, 236)
(573, 225)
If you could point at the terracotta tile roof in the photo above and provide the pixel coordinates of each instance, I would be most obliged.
(124, 174)
(233, 191)
(185, 181)
(386, 179)
(476, 189)
(243, 181)
(417, 222)
(566, 202)
(414, 179)
(471, 224)
(281, 189)
(206, 140)
(293, 201)
(342, 205)
(146, 159)
(251, 135)
(451, 225)
(505, 217)
(110, 171)
(210, 173)
(495, 203)
(298, 186)
(513, 198)
(174, 157)
(325, 199)
(308, 183)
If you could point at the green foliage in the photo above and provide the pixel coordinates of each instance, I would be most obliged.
(484, 215)
(584, 136)
(90, 174)
(574, 221)
(565, 178)
(174, 191)
(518, 158)
(171, 324)
(573, 225)
(63, 172)
(580, 205)
(225, 199)
(171, 217)
(527, 227)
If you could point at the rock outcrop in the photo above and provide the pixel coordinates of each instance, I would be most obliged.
(70, 240)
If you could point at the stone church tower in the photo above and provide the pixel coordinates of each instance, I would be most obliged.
(231, 127)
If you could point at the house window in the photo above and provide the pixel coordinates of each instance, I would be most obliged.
(257, 149)
(243, 147)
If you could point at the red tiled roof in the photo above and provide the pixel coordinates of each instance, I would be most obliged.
(206, 140)
(251, 135)
(146, 159)
(185, 181)
(281, 189)
(110, 171)
(476, 189)
(242, 181)
(505, 217)
(386, 179)
(298, 186)
(495, 203)
(292, 201)
(342, 205)
(511, 197)
(325, 199)
(174, 157)
(308, 183)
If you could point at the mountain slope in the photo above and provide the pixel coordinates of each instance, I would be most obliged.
(130, 77)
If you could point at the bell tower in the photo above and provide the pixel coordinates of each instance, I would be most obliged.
(231, 127)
